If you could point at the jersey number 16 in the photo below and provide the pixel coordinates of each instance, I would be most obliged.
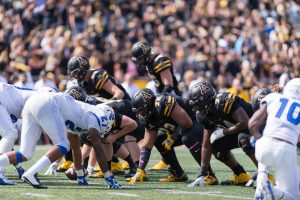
(292, 115)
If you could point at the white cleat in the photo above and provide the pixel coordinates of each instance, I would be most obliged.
(33, 181)
(265, 192)
(4, 180)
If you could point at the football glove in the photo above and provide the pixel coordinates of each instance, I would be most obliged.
(139, 176)
(217, 134)
(198, 182)
(52, 169)
(81, 180)
(168, 143)
(112, 183)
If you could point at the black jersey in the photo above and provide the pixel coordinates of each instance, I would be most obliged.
(95, 85)
(159, 64)
(163, 107)
(225, 105)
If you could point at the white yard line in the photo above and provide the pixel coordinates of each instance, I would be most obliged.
(212, 193)
(123, 194)
(36, 195)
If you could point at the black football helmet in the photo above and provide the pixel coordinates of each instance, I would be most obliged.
(77, 67)
(258, 96)
(77, 93)
(140, 53)
(202, 96)
(143, 103)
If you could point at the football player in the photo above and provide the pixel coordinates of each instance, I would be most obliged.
(53, 113)
(95, 81)
(276, 148)
(12, 100)
(121, 127)
(169, 121)
(225, 117)
(160, 71)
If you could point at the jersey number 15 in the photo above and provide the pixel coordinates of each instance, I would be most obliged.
(292, 112)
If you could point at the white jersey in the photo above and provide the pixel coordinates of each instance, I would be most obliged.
(13, 98)
(283, 120)
(80, 116)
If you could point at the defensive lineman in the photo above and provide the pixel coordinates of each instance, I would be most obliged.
(277, 147)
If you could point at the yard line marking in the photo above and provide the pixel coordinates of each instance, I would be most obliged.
(123, 194)
(215, 194)
(36, 195)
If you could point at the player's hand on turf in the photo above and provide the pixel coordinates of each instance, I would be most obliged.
(217, 134)
(52, 169)
(81, 180)
(198, 182)
(139, 176)
(168, 143)
(112, 183)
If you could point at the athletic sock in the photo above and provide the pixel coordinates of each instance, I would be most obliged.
(115, 159)
(4, 160)
(69, 156)
(132, 166)
(109, 165)
(238, 169)
(171, 158)
(42, 163)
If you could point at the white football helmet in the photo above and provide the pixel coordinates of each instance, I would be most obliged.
(107, 120)
(292, 89)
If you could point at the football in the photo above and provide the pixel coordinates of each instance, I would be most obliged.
(71, 173)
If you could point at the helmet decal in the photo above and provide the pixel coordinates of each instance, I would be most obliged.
(203, 89)
(144, 47)
(82, 62)
(145, 96)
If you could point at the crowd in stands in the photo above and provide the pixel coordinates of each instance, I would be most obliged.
(240, 45)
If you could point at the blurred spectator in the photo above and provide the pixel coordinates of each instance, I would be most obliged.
(46, 80)
(129, 85)
(237, 89)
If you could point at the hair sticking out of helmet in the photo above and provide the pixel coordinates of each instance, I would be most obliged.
(201, 97)
(292, 89)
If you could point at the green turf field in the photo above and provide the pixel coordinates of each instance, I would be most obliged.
(62, 188)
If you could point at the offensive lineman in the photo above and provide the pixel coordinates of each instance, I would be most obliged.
(277, 147)
(53, 113)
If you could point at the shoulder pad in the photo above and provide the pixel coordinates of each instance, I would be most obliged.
(224, 102)
(99, 78)
(161, 63)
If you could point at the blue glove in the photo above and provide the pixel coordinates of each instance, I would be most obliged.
(252, 141)
(81, 180)
(112, 183)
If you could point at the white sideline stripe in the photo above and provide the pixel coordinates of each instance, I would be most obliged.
(123, 194)
(212, 193)
(36, 195)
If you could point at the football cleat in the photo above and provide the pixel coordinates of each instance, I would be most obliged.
(130, 174)
(241, 180)
(20, 171)
(33, 181)
(99, 174)
(97, 168)
(117, 168)
(173, 178)
(264, 191)
(211, 180)
(64, 166)
(161, 165)
(125, 165)
(5, 181)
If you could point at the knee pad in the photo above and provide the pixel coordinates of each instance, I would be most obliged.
(222, 156)
(244, 143)
(116, 146)
(63, 148)
(19, 157)
(7, 141)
